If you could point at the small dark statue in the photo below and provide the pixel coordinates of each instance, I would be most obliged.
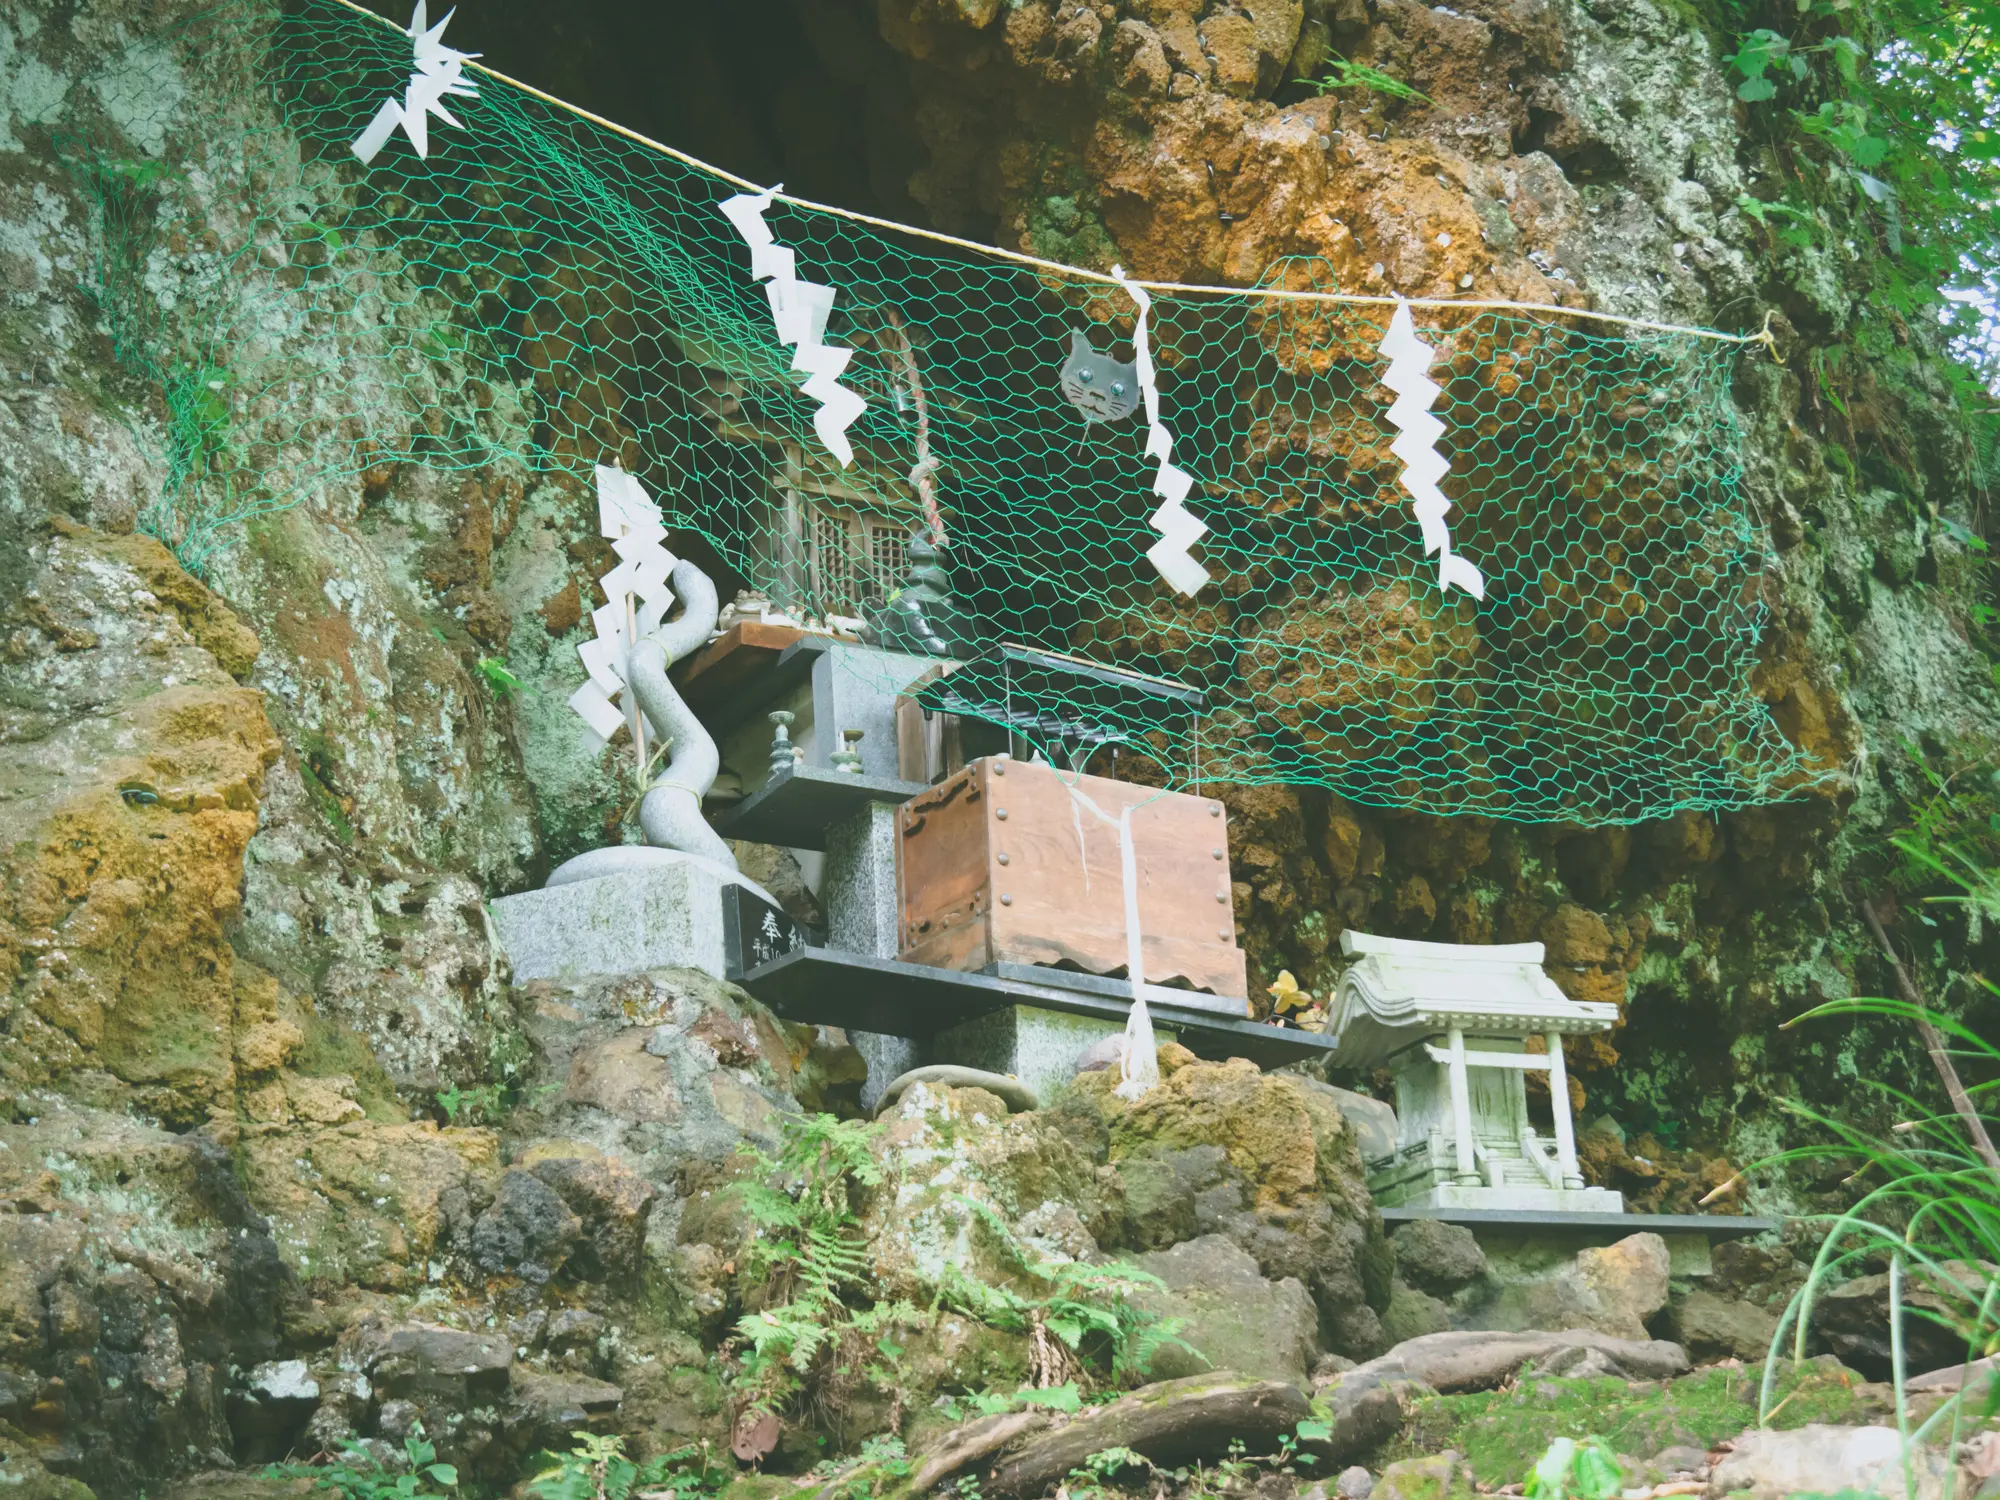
(921, 617)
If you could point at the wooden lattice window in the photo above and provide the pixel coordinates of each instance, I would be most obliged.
(854, 559)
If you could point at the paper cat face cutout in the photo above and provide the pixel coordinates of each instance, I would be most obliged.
(1103, 389)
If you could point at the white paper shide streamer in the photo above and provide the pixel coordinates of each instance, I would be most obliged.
(636, 598)
(1417, 434)
(800, 310)
(438, 71)
(1177, 525)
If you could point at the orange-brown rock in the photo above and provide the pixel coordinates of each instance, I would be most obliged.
(138, 776)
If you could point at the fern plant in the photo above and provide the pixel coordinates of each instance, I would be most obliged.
(1089, 1309)
(823, 1324)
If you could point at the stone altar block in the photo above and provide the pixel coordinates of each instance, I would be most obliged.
(666, 916)
(1039, 1047)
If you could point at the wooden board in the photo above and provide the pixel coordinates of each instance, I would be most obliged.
(1008, 862)
(725, 667)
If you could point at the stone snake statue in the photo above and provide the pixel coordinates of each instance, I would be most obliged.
(670, 813)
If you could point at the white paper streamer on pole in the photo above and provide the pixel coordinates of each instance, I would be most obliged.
(800, 310)
(1178, 527)
(439, 70)
(1418, 431)
(636, 597)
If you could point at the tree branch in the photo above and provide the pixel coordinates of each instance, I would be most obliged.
(1933, 1042)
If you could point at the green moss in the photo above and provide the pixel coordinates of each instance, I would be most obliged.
(330, 1050)
(1502, 1433)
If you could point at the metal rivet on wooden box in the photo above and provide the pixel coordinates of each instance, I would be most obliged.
(1064, 904)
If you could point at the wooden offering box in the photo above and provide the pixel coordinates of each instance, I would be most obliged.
(1006, 863)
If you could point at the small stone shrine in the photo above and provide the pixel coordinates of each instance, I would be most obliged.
(1453, 1024)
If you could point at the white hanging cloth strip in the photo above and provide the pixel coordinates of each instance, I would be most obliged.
(1418, 431)
(1140, 1068)
(636, 598)
(438, 71)
(1178, 527)
(800, 310)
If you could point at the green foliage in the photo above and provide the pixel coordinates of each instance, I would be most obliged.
(823, 1324)
(358, 1475)
(1088, 1307)
(1233, 1475)
(1575, 1471)
(597, 1469)
(1884, 120)
(1342, 74)
(1064, 1398)
(1504, 1433)
(503, 682)
(1927, 1202)
(1953, 838)
(482, 1104)
(881, 1462)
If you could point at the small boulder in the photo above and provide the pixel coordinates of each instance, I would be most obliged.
(1442, 1476)
(1354, 1483)
(1229, 1313)
(529, 1231)
(1853, 1319)
(1437, 1257)
(1412, 1314)
(612, 1204)
(1826, 1460)
(420, 1363)
(1613, 1289)
(1713, 1327)
(1681, 1458)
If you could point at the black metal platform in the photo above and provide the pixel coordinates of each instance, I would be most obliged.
(796, 809)
(832, 988)
(1714, 1226)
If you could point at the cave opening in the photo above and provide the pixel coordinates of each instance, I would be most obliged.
(803, 92)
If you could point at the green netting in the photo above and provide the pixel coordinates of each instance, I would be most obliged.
(546, 289)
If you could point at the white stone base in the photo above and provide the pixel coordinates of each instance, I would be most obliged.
(1589, 1200)
(668, 915)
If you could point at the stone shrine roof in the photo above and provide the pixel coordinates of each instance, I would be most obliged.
(1403, 992)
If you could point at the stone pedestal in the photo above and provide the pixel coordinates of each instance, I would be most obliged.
(858, 890)
(665, 916)
(1039, 1047)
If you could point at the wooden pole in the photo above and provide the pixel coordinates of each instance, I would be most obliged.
(1933, 1043)
(638, 715)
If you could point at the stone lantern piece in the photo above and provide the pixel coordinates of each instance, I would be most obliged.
(1453, 1024)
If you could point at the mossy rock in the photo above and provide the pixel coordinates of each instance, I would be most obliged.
(1442, 1476)
(22, 1476)
(1503, 1433)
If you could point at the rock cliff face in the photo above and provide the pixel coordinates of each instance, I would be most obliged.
(1561, 152)
(266, 1092)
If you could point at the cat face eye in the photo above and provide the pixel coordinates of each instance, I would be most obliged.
(1083, 376)
(1117, 387)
